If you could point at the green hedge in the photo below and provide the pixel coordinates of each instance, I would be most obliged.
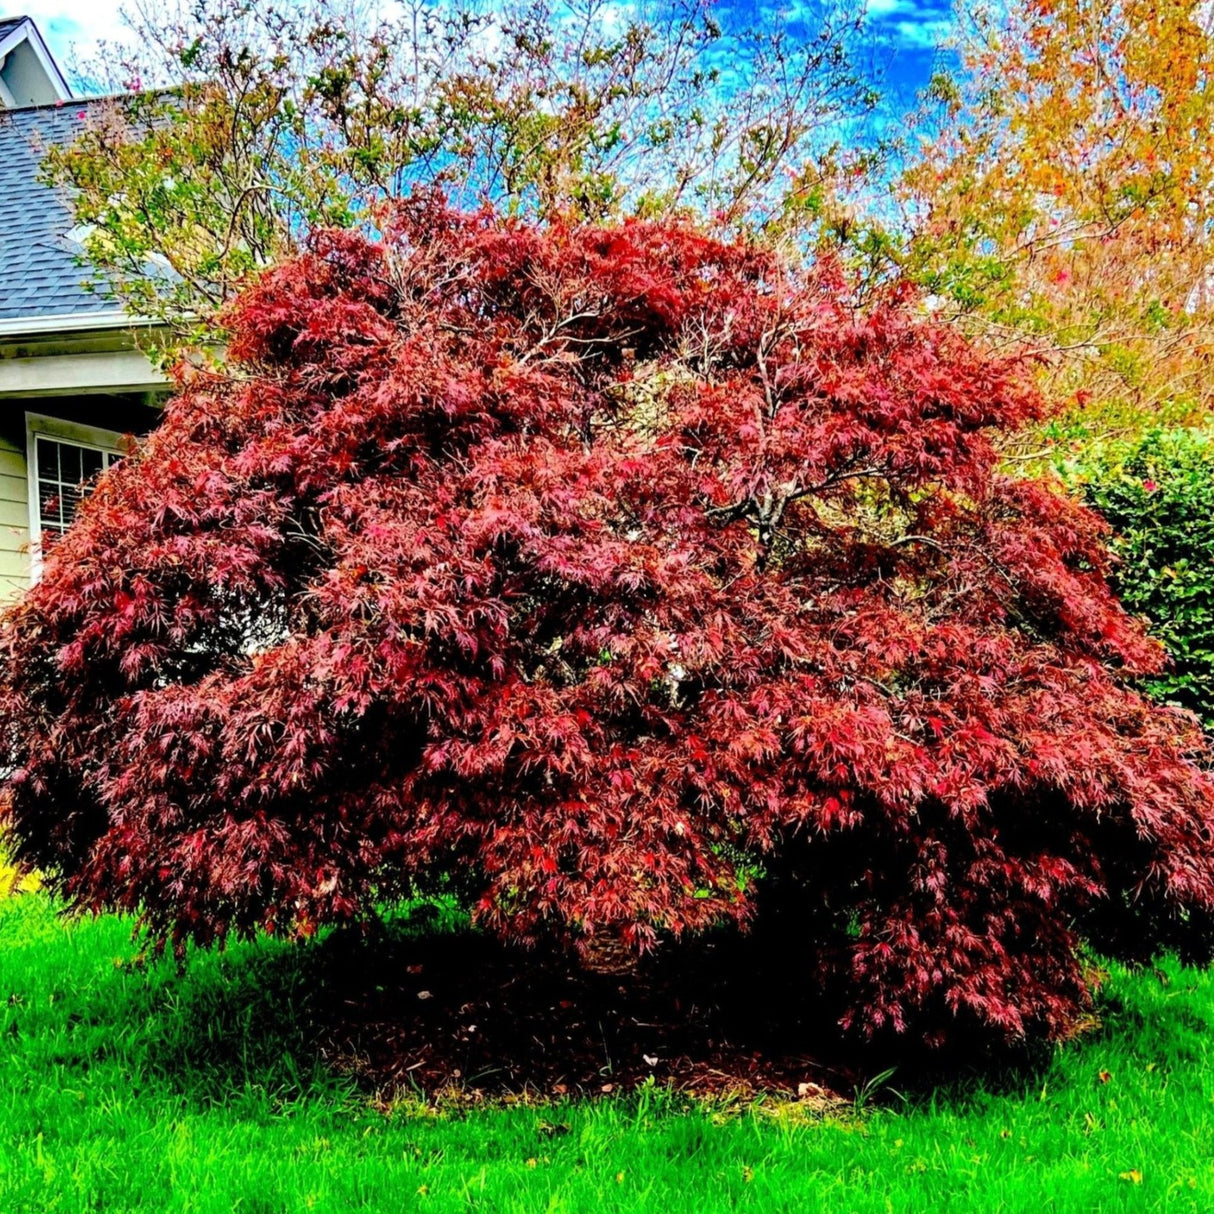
(1158, 494)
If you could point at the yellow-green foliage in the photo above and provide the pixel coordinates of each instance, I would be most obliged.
(13, 880)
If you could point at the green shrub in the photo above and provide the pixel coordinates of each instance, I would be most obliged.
(1158, 494)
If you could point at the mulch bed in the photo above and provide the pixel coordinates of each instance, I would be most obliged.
(456, 1013)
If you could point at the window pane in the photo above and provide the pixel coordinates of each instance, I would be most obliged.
(70, 471)
(48, 503)
(69, 499)
(48, 459)
(64, 471)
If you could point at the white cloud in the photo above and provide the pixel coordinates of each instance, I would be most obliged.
(912, 24)
(924, 34)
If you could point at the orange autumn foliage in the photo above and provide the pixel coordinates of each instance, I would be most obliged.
(1064, 192)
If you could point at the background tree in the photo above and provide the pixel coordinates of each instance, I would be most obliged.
(279, 117)
(609, 575)
(1063, 193)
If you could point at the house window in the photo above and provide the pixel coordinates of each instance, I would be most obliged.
(64, 461)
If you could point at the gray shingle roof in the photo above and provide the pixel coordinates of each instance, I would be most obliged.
(8, 24)
(40, 271)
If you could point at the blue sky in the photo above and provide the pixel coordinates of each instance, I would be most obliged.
(907, 31)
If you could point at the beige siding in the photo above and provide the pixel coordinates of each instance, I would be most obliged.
(12, 461)
(13, 488)
(14, 521)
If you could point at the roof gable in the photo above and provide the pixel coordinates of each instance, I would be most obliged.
(29, 74)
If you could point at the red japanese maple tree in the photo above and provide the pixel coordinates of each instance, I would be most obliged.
(608, 575)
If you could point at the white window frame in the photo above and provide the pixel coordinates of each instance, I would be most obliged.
(39, 425)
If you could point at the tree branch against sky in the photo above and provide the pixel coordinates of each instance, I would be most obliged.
(912, 29)
(287, 116)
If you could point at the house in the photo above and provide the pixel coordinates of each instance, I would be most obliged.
(73, 380)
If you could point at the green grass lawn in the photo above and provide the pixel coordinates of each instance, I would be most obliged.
(127, 1088)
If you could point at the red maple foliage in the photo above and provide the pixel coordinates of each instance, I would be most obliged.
(610, 576)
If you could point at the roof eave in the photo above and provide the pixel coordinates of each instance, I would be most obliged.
(71, 322)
